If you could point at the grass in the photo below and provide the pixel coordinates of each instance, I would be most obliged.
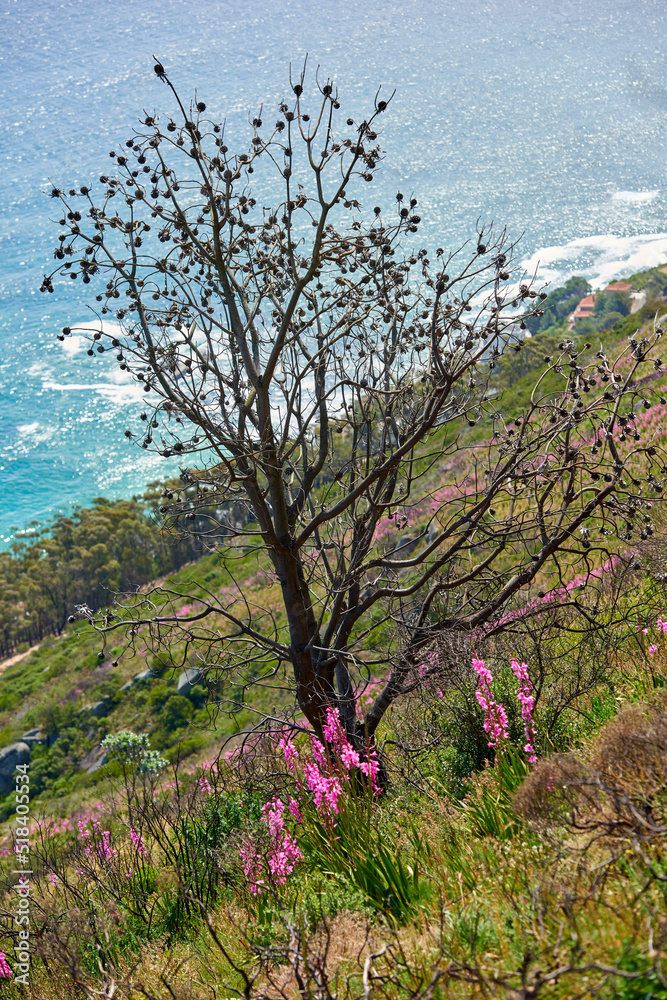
(458, 895)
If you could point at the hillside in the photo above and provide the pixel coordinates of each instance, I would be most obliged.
(77, 687)
(529, 862)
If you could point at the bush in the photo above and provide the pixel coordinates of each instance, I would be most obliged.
(176, 713)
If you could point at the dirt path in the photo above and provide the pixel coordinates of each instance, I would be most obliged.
(4, 664)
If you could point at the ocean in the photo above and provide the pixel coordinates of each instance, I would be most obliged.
(547, 117)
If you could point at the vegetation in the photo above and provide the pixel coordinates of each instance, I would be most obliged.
(471, 802)
(466, 871)
(559, 304)
(272, 871)
(83, 559)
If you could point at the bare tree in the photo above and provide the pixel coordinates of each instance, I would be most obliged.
(324, 375)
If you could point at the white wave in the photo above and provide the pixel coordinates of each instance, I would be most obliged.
(73, 345)
(77, 340)
(634, 196)
(121, 393)
(38, 368)
(118, 393)
(70, 386)
(120, 378)
(600, 259)
(103, 325)
(36, 432)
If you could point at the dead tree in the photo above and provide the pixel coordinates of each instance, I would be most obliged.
(322, 376)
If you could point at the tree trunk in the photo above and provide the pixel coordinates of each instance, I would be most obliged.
(313, 676)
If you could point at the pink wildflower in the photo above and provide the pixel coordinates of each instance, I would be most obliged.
(53, 878)
(289, 751)
(326, 789)
(495, 716)
(5, 971)
(295, 810)
(332, 727)
(520, 671)
(371, 769)
(138, 841)
(252, 867)
(283, 857)
(283, 853)
(318, 752)
(652, 649)
(349, 757)
(273, 817)
(205, 785)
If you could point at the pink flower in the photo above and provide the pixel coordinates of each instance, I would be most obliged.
(205, 785)
(289, 751)
(137, 840)
(495, 716)
(349, 757)
(326, 789)
(5, 971)
(53, 878)
(371, 768)
(283, 858)
(273, 816)
(283, 853)
(652, 649)
(527, 701)
(332, 727)
(295, 810)
(252, 867)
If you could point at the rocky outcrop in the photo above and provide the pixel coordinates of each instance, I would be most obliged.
(187, 680)
(145, 675)
(33, 736)
(94, 759)
(101, 708)
(10, 757)
(98, 709)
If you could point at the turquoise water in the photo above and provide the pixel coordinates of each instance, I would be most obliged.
(547, 117)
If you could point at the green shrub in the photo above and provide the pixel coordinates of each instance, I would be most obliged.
(176, 713)
(133, 751)
(159, 696)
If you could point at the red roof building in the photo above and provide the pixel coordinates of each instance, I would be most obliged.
(585, 308)
(619, 286)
